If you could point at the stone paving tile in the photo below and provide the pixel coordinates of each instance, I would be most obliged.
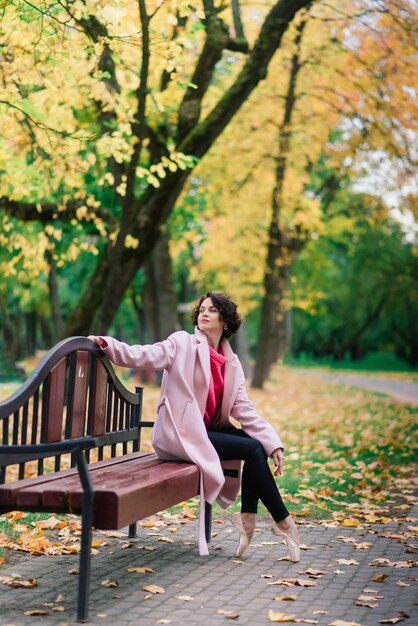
(223, 582)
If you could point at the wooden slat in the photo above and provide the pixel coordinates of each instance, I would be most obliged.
(10, 492)
(127, 492)
(99, 401)
(126, 489)
(54, 415)
(80, 394)
(126, 503)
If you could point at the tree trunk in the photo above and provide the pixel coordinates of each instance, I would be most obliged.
(241, 347)
(57, 322)
(272, 337)
(12, 333)
(159, 294)
(31, 332)
(281, 247)
(47, 340)
(160, 305)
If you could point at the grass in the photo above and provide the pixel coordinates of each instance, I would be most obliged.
(11, 529)
(384, 363)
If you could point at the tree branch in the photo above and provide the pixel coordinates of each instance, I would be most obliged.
(217, 38)
(239, 43)
(203, 135)
(138, 125)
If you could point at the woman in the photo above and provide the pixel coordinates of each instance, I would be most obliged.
(203, 385)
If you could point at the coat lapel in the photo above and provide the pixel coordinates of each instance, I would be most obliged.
(230, 373)
(230, 378)
(204, 362)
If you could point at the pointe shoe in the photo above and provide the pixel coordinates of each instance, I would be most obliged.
(292, 543)
(245, 532)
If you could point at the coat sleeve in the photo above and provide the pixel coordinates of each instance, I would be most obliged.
(252, 423)
(158, 356)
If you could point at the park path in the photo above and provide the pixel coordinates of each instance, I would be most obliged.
(363, 575)
(401, 390)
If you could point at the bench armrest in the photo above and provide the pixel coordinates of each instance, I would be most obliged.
(34, 451)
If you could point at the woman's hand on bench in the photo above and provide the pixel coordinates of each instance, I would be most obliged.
(95, 339)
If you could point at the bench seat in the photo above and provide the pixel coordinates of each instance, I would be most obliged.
(126, 489)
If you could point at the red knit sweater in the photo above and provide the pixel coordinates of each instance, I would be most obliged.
(216, 386)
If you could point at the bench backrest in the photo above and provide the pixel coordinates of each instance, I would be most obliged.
(74, 392)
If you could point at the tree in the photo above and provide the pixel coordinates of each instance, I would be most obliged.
(354, 289)
(344, 109)
(285, 240)
(141, 156)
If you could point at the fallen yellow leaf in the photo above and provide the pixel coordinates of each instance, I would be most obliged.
(51, 522)
(228, 614)
(292, 582)
(380, 578)
(18, 582)
(370, 605)
(278, 616)
(36, 612)
(153, 589)
(16, 516)
(141, 570)
(109, 582)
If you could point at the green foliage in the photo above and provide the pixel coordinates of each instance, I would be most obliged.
(354, 288)
(371, 362)
(8, 370)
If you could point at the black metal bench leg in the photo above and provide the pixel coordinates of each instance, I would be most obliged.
(85, 567)
(86, 535)
(132, 531)
(208, 521)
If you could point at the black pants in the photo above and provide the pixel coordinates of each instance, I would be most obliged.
(257, 480)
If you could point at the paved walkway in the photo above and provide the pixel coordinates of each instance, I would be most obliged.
(340, 565)
(401, 390)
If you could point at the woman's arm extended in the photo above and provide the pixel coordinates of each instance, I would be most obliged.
(157, 356)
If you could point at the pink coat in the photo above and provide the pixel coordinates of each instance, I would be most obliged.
(179, 432)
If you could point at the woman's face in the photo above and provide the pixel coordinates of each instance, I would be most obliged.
(209, 319)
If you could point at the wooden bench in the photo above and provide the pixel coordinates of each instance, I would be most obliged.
(74, 411)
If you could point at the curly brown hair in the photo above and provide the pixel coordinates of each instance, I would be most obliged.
(227, 310)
